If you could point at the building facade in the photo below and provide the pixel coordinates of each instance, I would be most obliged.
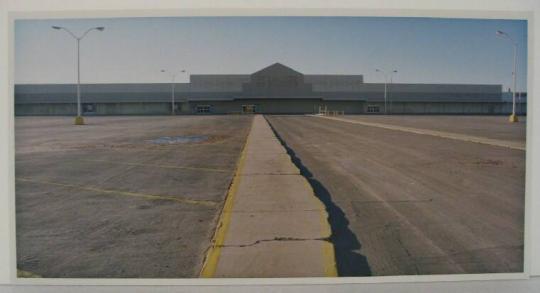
(276, 89)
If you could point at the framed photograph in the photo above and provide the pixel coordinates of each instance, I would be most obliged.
(216, 149)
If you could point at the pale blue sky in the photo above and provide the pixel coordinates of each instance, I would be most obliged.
(423, 50)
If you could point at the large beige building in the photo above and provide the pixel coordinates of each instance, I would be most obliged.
(276, 89)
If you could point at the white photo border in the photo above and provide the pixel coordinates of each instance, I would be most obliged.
(532, 132)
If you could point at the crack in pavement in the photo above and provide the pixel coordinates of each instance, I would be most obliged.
(392, 201)
(394, 230)
(271, 174)
(277, 239)
(272, 211)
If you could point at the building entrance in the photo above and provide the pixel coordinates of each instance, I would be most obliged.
(249, 109)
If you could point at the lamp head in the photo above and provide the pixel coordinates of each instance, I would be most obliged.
(56, 27)
(100, 28)
(501, 34)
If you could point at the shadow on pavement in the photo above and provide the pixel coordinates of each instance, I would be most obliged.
(346, 246)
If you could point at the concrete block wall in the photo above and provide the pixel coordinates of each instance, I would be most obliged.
(452, 108)
(349, 107)
(45, 109)
(263, 106)
(334, 83)
(132, 109)
(296, 106)
(281, 107)
(101, 109)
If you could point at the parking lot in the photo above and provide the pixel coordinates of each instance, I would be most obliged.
(406, 203)
(141, 196)
(121, 196)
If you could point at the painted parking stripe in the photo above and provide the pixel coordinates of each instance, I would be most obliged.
(212, 257)
(208, 169)
(120, 192)
(456, 136)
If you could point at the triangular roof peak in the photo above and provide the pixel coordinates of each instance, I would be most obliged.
(277, 69)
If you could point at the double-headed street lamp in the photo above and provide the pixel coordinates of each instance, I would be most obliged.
(513, 117)
(79, 119)
(385, 84)
(173, 76)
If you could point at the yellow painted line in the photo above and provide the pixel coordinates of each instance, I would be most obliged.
(212, 257)
(456, 136)
(27, 274)
(330, 266)
(158, 166)
(328, 251)
(120, 192)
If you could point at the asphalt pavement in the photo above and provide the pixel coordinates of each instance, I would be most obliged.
(121, 197)
(401, 203)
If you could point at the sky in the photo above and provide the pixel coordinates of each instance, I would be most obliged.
(134, 50)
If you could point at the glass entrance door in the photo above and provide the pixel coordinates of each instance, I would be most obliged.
(249, 109)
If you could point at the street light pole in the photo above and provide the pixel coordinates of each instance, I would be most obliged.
(173, 77)
(79, 84)
(79, 119)
(391, 108)
(385, 92)
(513, 117)
(172, 95)
(385, 86)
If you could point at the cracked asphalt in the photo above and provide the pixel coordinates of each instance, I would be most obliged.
(102, 200)
(405, 204)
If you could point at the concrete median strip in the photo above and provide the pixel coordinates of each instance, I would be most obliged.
(272, 225)
(456, 136)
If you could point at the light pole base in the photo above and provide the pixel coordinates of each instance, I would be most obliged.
(79, 120)
(513, 118)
